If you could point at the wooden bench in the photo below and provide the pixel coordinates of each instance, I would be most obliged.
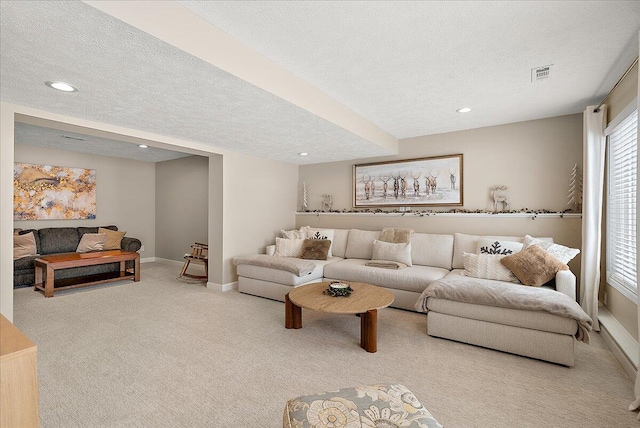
(47, 266)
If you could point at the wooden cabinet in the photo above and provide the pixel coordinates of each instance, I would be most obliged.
(18, 378)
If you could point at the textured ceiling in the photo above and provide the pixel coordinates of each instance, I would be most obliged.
(131, 79)
(53, 138)
(407, 66)
(404, 66)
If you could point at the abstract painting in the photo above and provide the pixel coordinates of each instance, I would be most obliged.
(45, 192)
(434, 181)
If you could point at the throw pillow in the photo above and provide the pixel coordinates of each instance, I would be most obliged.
(533, 266)
(114, 238)
(24, 246)
(320, 234)
(315, 249)
(486, 266)
(498, 248)
(392, 252)
(295, 234)
(562, 253)
(288, 247)
(396, 235)
(91, 242)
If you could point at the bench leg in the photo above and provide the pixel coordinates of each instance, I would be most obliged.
(136, 269)
(48, 285)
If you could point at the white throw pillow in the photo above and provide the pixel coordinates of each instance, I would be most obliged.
(321, 234)
(295, 234)
(400, 253)
(560, 252)
(497, 247)
(288, 247)
(487, 266)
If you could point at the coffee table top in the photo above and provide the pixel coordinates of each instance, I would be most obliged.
(365, 297)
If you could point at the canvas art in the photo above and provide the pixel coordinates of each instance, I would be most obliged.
(45, 192)
(434, 181)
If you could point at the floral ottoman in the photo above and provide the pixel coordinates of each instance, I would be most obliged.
(375, 406)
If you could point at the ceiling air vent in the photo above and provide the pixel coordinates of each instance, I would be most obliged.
(68, 137)
(541, 73)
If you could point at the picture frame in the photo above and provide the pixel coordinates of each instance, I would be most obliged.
(431, 181)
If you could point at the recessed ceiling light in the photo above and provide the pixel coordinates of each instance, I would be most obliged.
(303, 154)
(62, 86)
(143, 146)
(464, 110)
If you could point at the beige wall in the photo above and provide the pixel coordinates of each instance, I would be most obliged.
(125, 192)
(182, 205)
(623, 309)
(533, 158)
(259, 199)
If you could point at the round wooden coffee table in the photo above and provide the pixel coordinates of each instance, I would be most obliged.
(365, 301)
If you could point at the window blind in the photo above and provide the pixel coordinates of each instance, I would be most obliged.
(621, 207)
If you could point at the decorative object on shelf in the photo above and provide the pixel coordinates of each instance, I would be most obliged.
(498, 196)
(45, 192)
(305, 205)
(398, 183)
(327, 202)
(339, 289)
(575, 190)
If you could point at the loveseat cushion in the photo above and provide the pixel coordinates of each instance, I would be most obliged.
(414, 278)
(58, 240)
(282, 276)
(360, 244)
(536, 320)
(432, 250)
(25, 263)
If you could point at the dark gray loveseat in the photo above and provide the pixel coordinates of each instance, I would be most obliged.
(54, 240)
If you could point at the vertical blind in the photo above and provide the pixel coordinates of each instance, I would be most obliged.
(621, 206)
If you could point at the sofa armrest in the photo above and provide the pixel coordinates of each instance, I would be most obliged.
(130, 244)
(271, 250)
(566, 283)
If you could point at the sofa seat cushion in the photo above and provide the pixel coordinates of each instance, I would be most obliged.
(25, 263)
(414, 278)
(284, 277)
(535, 320)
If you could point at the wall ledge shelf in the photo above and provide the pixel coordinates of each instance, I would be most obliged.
(531, 215)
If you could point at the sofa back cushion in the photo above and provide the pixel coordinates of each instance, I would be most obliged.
(464, 243)
(432, 250)
(339, 246)
(360, 244)
(58, 240)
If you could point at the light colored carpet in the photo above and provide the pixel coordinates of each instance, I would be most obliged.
(168, 353)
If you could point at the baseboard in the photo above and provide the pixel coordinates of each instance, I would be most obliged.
(223, 287)
(160, 259)
(147, 259)
(623, 346)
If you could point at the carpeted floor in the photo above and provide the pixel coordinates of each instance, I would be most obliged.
(168, 353)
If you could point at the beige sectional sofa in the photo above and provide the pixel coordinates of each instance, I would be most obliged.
(535, 334)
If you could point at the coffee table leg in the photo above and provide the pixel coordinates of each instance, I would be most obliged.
(38, 278)
(292, 314)
(136, 269)
(48, 284)
(369, 330)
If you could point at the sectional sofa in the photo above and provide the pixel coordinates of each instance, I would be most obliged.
(548, 336)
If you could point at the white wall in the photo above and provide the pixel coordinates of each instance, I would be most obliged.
(259, 200)
(182, 205)
(125, 192)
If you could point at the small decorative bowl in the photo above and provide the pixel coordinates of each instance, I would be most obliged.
(339, 289)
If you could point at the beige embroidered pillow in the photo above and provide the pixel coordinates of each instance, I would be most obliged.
(288, 247)
(91, 242)
(315, 249)
(24, 246)
(497, 247)
(486, 266)
(533, 266)
(114, 238)
(392, 252)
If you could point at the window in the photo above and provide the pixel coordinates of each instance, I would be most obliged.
(621, 206)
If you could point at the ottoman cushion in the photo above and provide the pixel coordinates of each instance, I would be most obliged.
(359, 407)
